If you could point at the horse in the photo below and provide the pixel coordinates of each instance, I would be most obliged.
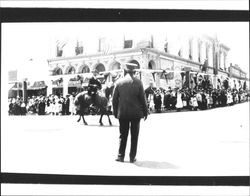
(83, 101)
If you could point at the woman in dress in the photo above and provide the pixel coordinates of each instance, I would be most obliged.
(179, 104)
(72, 109)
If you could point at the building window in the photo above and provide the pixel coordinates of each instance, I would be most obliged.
(151, 65)
(85, 69)
(57, 71)
(128, 43)
(71, 70)
(100, 67)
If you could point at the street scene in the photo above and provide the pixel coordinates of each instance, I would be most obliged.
(123, 99)
(170, 144)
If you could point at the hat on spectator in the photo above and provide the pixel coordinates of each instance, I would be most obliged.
(130, 66)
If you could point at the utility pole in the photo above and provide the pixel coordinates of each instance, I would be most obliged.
(25, 90)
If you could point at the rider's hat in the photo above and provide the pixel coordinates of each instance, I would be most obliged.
(130, 66)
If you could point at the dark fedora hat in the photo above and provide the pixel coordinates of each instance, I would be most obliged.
(130, 66)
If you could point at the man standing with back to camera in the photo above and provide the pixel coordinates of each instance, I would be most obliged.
(129, 106)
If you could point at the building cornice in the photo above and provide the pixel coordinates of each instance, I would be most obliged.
(153, 50)
(225, 47)
(98, 54)
(237, 68)
(222, 71)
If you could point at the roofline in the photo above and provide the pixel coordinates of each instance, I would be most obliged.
(238, 68)
(225, 46)
(172, 56)
(128, 50)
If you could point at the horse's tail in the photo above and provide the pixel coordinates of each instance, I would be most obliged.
(80, 102)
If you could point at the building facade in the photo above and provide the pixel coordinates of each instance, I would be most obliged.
(201, 54)
(238, 78)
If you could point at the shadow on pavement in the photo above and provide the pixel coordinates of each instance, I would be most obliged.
(97, 125)
(155, 165)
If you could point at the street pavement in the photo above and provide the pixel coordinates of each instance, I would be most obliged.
(200, 143)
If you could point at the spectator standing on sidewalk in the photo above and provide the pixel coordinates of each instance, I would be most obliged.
(129, 105)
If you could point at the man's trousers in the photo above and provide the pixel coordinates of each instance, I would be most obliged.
(134, 126)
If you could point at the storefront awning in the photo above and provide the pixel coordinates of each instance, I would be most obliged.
(38, 85)
(17, 86)
(10, 86)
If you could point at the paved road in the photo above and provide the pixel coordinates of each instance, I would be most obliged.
(212, 142)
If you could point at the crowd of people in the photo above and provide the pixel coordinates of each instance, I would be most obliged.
(160, 100)
(43, 105)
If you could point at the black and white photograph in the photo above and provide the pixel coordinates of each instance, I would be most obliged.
(128, 99)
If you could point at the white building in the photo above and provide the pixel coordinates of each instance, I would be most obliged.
(174, 52)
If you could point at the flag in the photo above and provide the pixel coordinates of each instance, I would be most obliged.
(152, 41)
(59, 47)
(104, 45)
(60, 44)
(205, 65)
(78, 48)
(128, 41)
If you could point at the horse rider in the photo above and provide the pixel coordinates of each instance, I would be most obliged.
(93, 86)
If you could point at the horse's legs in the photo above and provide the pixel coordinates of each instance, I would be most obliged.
(110, 123)
(84, 121)
(100, 121)
(79, 118)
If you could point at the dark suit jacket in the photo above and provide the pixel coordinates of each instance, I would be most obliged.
(129, 100)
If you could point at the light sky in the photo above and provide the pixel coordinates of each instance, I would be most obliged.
(24, 41)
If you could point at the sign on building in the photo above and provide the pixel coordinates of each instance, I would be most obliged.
(167, 64)
(13, 76)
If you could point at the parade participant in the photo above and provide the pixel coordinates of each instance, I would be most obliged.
(67, 104)
(193, 102)
(72, 109)
(149, 92)
(204, 100)
(173, 99)
(229, 98)
(129, 106)
(41, 106)
(157, 101)
(184, 99)
(23, 108)
(179, 104)
(11, 104)
(167, 100)
(215, 98)
(93, 86)
(209, 100)
(199, 99)
(48, 105)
